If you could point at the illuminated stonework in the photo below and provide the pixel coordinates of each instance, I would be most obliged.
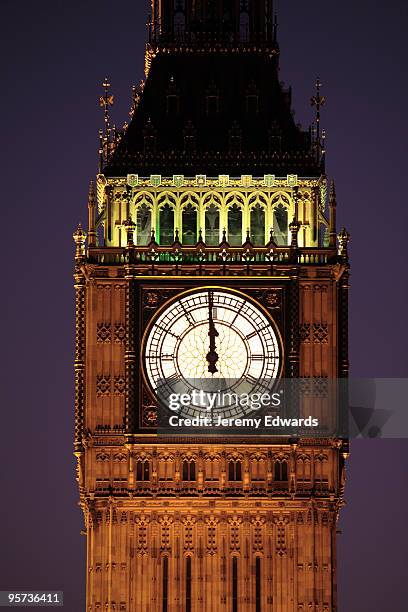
(256, 209)
(211, 249)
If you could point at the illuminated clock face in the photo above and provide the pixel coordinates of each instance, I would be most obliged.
(207, 336)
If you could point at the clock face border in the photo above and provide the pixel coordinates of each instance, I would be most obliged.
(200, 289)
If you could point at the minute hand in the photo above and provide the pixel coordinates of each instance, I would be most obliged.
(212, 355)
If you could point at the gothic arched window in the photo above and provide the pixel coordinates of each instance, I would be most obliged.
(258, 225)
(143, 470)
(280, 224)
(281, 471)
(235, 225)
(212, 225)
(234, 471)
(189, 220)
(166, 225)
(143, 225)
(189, 472)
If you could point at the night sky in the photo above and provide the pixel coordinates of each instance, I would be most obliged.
(54, 56)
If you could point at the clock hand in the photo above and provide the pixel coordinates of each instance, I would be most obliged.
(212, 355)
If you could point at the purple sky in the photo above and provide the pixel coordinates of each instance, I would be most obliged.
(55, 54)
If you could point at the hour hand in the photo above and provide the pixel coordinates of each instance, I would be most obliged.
(212, 355)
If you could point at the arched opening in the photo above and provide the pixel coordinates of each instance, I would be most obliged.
(189, 221)
(212, 225)
(235, 225)
(143, 225)
(280, 225)
(166, 225)
(258, 225)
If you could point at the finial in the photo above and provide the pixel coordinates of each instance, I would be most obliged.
(176, 244)
(294, 228)
(153, 244)
(79, 237)
(318, 102)
(332, 194)
(344, 239)
(224, 244)
(200, 244)
(105, 102)
(248, 245)
(332, 215)
(129, 227)
(275, 28)
(91, 214)
(272, 243)
(135, 100)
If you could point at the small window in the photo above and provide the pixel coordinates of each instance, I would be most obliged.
(234, 471)
(281, 471)
(179, 25)
(143, 470)
(189, 470)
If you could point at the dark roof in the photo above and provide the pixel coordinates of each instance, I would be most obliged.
(214, 113)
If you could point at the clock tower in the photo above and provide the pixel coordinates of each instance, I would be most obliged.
(211, 252)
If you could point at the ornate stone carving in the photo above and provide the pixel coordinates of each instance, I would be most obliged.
(305, 333)
(103, 333)
(103, 385)
(119, 333)
(320, 333)
(119, 385)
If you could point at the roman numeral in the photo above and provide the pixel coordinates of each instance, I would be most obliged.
(173, 379)
(252, 335)
(257, 357)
